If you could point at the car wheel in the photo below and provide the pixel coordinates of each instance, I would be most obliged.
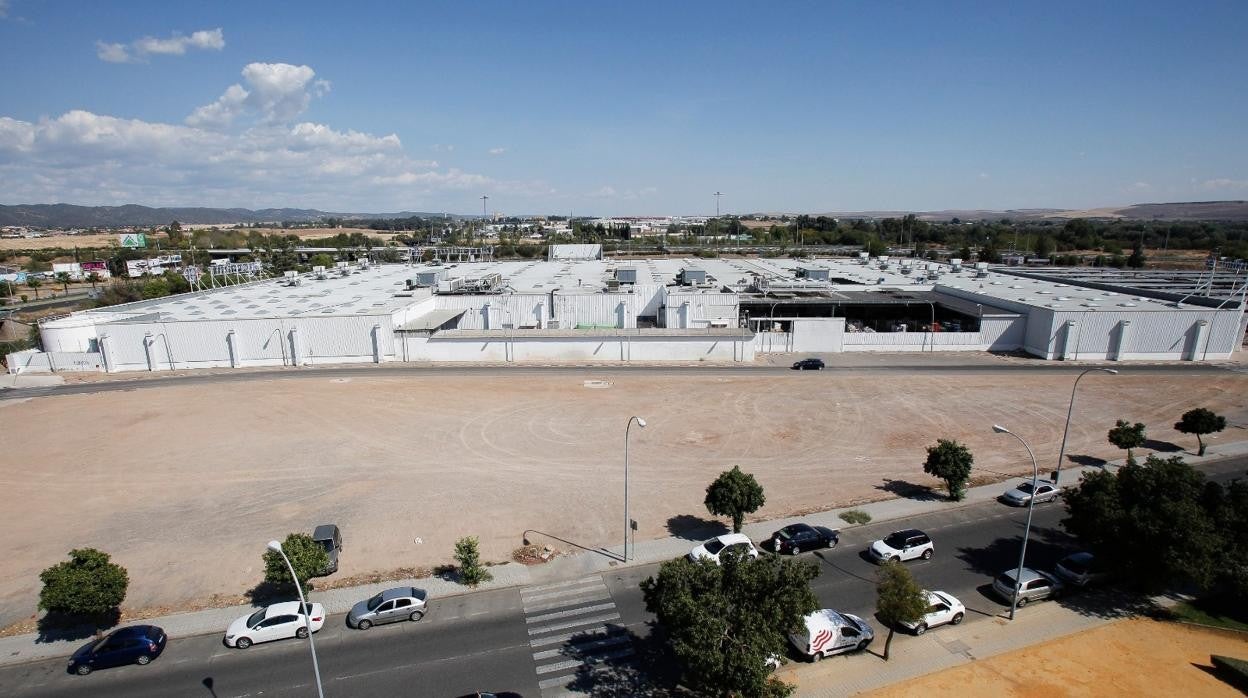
(242, 643)
(143, 660)
(363, 625)
(1022, 602)
(302, 633)
(416, 615)
(895, 558)
(957, 618)
(816, 656)
(920, 628)
(863, 645)
(927, 554)
(82, 669)
(832, 543)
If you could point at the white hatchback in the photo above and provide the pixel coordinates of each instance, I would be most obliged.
(903, 545)
(276, 622)
(713, 548)
(942, 609)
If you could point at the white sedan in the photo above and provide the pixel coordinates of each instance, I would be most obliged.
(941, 609)
(276, 622)
(713, 548)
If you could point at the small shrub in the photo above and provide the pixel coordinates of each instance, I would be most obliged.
(468, 555)
(306, 555)
(88, 584)
(855, 516)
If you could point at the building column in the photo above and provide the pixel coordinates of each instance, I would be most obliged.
(1124, 335)
(105, 353)
(148, 343)
(377, 355)
(1069, 349)
(1202, 332)
(294, 347)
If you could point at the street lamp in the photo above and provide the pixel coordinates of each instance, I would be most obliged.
(1031, 507)
(1061, 454)
(307, 618)
(627, 521)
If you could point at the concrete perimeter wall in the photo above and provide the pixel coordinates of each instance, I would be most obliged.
(445, 346)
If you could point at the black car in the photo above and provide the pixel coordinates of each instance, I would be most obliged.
(798, 538)
(137, 644)
(808, 365)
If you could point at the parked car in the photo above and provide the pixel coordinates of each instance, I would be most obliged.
(800, 537)
(1080, 570)
(942, 608)
(1035, 586)
(390, 606)
(903, 545)
(828, 632)
(136, 644)
(277, 622)
(808, 365)
(1020, 496)
(713, 548)
(330, 538)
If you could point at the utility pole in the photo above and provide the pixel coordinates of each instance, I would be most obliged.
(717, 195)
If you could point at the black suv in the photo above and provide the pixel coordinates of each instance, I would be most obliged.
(808, 365)
(800, 537)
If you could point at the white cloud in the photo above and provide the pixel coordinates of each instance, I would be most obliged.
(1224, 183)
(276, 92)
(4, 9)
(175, 45)
(497, 151)
(984, 175)
(610, 192)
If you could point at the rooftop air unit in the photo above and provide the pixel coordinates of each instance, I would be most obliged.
(691, 277)
(883, 261)
(320, 272)
(626, 275)
(814, 273)
(613, 284)
(956, 263)
(981, 270)
(864, 258)
(450, 285)
(426, 279)
(906, 266)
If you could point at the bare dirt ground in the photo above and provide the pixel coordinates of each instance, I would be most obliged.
(1136, 657)
(184, 484)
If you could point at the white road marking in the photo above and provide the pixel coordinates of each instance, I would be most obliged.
(571, 663)
(565, 614)
(575, 623)
(582, 647)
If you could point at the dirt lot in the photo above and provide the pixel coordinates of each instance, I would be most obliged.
(106, 240)
(1130, 658)
(184, 485)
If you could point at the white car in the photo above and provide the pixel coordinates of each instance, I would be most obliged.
(1021, 496)
(713, 548)
(941, 609)
(903, 545)
(276, 622)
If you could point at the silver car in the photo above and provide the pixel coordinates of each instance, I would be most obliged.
(390, 606)
(1021, 496)
(1034, 586)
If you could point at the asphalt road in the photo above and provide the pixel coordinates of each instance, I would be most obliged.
(596, 372)
(481, 641)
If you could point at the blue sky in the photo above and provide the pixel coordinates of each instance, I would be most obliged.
(642, 108)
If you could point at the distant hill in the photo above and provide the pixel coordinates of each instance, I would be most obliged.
(71, 216)
(1178, 211)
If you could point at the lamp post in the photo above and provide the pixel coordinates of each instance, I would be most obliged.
(1061, 454)
(627, 521)
(1031, 507)
(303, 607)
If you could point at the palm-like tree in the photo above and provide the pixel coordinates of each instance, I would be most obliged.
(94, 278)
(62, 278)
(34, 283)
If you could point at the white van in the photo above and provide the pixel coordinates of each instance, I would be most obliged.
(828, 632)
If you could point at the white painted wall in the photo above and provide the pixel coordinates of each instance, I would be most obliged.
(586, 348)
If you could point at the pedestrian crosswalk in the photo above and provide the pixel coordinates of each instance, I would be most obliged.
(572, 627)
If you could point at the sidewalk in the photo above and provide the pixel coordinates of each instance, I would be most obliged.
(25, 648)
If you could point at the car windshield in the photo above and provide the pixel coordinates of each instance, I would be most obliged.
(327, 544)
(256, 617)
(1006, 579)
(1025, 488)
(374, 602)
(714, 546)
(1075, 565)
(786, 533)
(100, 643)
(896, 540)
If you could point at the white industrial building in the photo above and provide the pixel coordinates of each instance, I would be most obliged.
(576, 306)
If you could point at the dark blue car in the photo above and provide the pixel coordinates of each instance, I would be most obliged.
(137, 644)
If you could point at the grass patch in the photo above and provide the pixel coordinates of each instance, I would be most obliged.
(855, 516)
(1215, 612)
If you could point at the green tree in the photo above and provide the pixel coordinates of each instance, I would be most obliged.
(1199, 421)
(950, 461)
(734, 494)
(1136, 260)
(34, 282)
(321, 260)
(94, 278)
(1127, 435)
(306, 555)
(62, 278)
(468, 555)
(1044, 246)
(1151, 517)
(88, 584)
(723, 622)
(899, 599)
